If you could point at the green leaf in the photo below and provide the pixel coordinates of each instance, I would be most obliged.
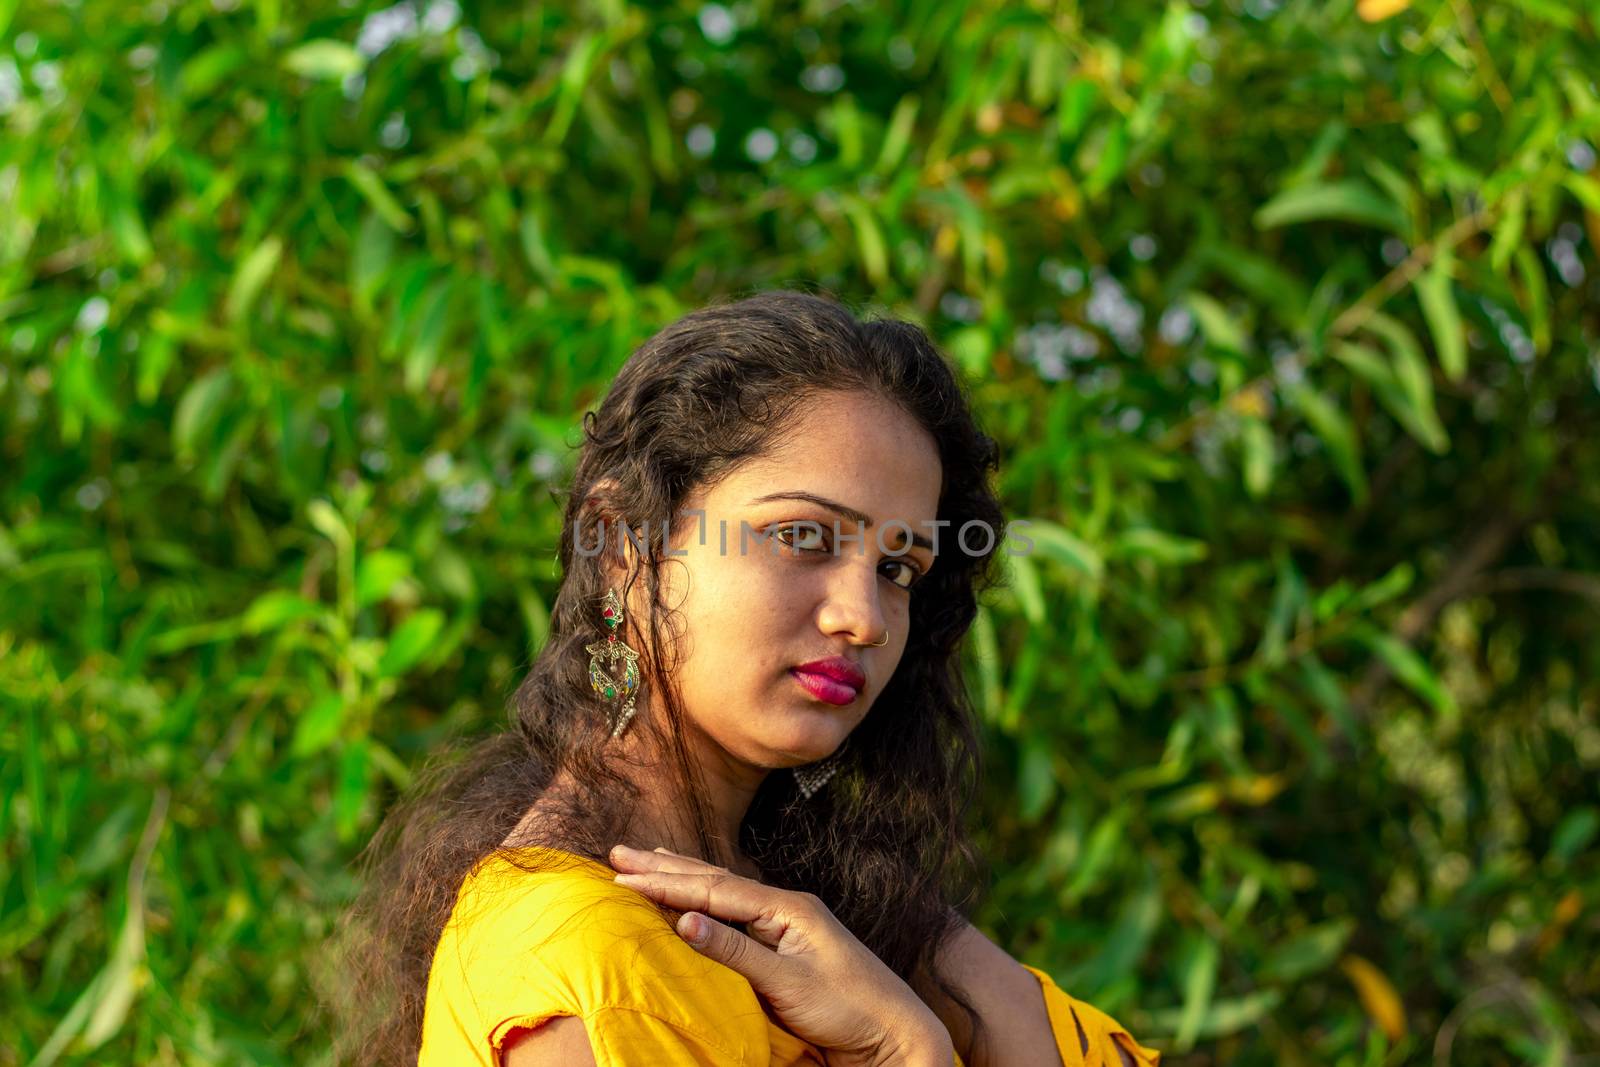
(1288, 600)
(1260, 456)
(370, 259)
(1324, 688)
(1585, 189)
(329, 523)
(1036, 781)
(1311, 168)
(378, 573)
(1310, 951)
(1025, 582)
(1097, 855)
(1218, 324)
(1224, 1016)
(318, 726)
(128, 230)
(845, 118)
(253, 272)
(118, 984)
(1054, 542)
(1198, 982)
(535, 247)
(1410, 668)
(351, 794)
(411, 640)
(325, 59)
(1108, 164)
(1413, 378)
(575, 75)
(869, 238)
(986, 655)
(1125, 944)
(1337, 435)
(1259, 277)
(198, 411)
(898, 137)
(1394, 583)
(1536, 297)
(1574, 833)
(1078, 96)
(377, 196)
(973, 349)
(1349, 200)
(434, 321)
(1435, 292)
(1404, 387)
(1146, 542)
(1508, 231)
(201, 75)
(275, 609)
(101, 1010)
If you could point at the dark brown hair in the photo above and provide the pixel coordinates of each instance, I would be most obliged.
(884, 844)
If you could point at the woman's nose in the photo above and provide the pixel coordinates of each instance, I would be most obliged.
(852, 605)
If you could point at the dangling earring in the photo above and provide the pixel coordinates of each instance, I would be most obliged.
(813, 776)
(604, 681)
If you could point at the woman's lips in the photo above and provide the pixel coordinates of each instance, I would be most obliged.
(824, 688)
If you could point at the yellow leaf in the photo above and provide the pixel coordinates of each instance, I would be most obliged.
(1377, 995)
(1251, 402)
(1567, 909)
(1256, 790)
(1378, 10)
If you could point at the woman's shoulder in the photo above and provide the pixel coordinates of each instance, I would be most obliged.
(538, 932)
(544, 908)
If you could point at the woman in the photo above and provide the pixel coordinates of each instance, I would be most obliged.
(779, 524)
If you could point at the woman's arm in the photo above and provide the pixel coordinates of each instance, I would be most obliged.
(1008, 999)
(558, 1042)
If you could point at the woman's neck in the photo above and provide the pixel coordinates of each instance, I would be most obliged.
(659, 821)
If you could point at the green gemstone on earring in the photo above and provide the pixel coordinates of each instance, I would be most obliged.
(610, 692)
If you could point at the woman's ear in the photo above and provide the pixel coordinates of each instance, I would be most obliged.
(619, 556)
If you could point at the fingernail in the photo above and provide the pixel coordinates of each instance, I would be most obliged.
(694, 928)
(624, 849)
(630, 879)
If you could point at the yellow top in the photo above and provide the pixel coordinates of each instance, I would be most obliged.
(521, 947)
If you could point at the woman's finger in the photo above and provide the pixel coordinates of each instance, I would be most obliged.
(759, 964)
(628, 859)
(726, 896)
(673, 859)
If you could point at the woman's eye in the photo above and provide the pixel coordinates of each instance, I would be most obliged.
(802, 535)
(906, 576)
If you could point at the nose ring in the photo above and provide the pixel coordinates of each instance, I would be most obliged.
(879, 644)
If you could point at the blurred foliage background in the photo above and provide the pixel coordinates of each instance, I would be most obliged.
(1283, 310)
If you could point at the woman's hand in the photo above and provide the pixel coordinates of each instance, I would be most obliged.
(824, 985)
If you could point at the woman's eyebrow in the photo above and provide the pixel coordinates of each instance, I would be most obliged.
(840, 509)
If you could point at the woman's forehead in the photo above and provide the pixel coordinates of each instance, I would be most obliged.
(871, 457)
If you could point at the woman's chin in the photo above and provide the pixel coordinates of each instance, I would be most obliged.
(791, 735)
(805, 746)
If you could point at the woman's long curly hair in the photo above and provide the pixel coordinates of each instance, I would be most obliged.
(884, 844)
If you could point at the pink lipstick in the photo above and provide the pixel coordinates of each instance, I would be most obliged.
(834, 680)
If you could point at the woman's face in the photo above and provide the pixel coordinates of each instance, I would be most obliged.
(792, 594)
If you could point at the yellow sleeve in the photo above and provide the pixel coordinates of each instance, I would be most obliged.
(1085, 1035)
(522, 947)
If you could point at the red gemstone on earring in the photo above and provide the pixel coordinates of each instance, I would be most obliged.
(611, 637)
(607, 613)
